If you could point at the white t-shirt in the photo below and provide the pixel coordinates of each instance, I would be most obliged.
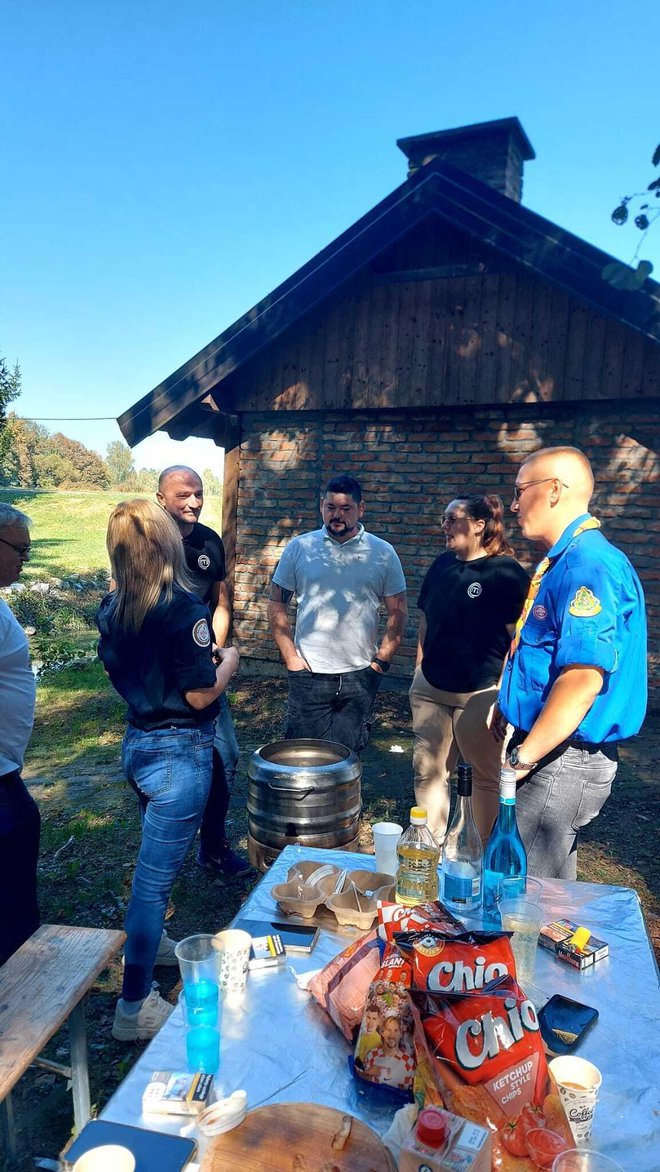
(338, 587)
(17, 692)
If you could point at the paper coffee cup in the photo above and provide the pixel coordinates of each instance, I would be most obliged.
(106, 1158)
(234, 946)
(578, 1083)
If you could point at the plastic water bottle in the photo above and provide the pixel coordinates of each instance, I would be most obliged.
(418, 854)
(462, 857)
(505, 854)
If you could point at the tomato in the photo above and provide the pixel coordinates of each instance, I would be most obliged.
(513, 1137)
(543, 1146)
(530, 1117)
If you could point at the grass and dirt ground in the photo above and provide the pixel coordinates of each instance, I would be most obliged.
(91, 834)
(90, 831)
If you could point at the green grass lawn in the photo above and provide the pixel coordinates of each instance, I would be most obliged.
(69, 528)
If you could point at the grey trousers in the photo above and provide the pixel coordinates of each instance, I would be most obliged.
(566, 792)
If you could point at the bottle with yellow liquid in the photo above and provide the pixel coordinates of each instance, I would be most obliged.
(419, 855)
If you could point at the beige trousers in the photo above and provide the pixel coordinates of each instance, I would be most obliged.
(444, 725)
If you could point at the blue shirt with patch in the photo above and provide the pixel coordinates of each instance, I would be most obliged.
(589, 611)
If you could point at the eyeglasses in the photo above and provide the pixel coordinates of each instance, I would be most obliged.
(22, 550)
(518, 489)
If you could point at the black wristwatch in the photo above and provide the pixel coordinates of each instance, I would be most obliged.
(382, 663)
(514, 759)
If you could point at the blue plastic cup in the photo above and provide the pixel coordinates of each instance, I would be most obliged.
(203, 1048)
(200, 1003)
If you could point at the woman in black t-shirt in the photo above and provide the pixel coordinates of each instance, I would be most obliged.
(470, 600)
(156, 647)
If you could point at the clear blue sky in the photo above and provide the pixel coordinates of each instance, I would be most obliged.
(166, 164)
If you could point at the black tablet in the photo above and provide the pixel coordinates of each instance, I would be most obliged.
(154, 1151)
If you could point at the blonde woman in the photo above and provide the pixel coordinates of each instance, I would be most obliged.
(156, 647)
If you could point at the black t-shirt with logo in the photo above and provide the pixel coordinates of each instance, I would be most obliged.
(205, 558)
(467, 606)
(154, 667)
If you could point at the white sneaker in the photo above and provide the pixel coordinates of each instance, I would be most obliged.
(165, 955)
(144, 1024)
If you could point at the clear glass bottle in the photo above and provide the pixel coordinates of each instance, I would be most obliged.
(463, 852)
(418, 854)
(505, 854)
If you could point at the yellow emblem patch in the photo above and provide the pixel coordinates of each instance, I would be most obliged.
(585, 604)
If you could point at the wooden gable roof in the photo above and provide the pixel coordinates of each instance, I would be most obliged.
(437, 189)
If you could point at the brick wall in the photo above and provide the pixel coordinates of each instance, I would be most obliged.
(411, 465)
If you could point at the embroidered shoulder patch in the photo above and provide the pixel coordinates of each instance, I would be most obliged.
(585, 604)
(201, 633)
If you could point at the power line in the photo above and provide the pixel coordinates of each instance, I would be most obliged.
(68, 418)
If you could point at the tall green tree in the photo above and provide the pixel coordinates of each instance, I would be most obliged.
(10, 389)
(121, 467)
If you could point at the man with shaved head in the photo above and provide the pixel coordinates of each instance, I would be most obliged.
(575, 680)
(181, 494)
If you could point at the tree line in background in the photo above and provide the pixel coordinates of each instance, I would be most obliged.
(33, 457)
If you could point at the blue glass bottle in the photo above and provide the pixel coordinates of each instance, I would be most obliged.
(505, 854)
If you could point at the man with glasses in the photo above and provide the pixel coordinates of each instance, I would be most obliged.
(574, 684)
(20, 822)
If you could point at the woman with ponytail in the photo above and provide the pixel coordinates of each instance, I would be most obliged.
(156, 646)
(470, 601)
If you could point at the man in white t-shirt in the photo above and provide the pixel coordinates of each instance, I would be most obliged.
(339, 575)
(20, 822)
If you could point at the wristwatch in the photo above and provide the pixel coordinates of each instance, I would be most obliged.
(382, 663)
(514, 759)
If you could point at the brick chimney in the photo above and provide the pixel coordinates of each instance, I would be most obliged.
(493, 152)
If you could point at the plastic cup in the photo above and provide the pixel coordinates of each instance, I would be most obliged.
(200, 1003)
(198, 959)
(578, 1083)
(203, 1049)
(233, 947)
(585, 1160)
(106, 1158)
(386, 838)
(520, 887)
(523, 918)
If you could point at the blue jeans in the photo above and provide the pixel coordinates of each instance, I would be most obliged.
(565, 793)
(328, 707)
(225, 760)
(170, 771)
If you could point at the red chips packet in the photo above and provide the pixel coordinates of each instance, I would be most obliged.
(395, 917)
(485, 1048)
(460, 964)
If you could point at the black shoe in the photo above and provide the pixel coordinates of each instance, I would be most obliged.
(227, 863)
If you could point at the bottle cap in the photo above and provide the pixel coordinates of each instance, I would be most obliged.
(418, 816)
(508, 783)
(464, 779)
(431, 1127)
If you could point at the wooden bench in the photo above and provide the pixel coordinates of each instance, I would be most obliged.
(42, 986)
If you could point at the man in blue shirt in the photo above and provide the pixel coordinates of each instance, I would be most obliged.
(575, 680)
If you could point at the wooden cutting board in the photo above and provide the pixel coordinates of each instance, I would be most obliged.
(296, 1137)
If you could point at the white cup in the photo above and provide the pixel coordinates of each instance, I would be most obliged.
(578, 1083)
(386, 837)
(106, 1158)
(234, 947)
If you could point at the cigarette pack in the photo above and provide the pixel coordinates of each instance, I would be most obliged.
(557, 938)
(267, 952)
(177, 1093)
